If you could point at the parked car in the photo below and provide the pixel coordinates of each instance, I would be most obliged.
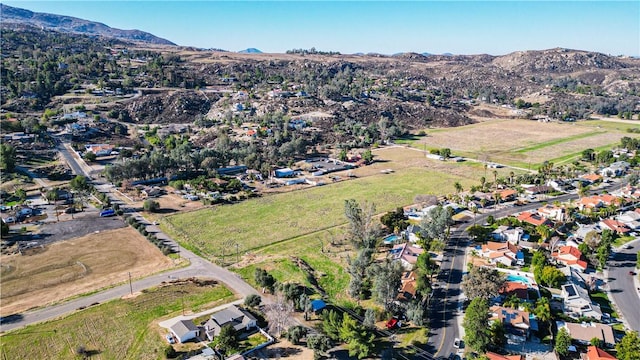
(627, 246)
(9, 220)
(632, 273)
(107, 212)
(457, 343)
(170, 338)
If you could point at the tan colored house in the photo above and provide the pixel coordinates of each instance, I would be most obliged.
(584, 332)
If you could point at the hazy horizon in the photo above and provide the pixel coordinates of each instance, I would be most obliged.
(458, 27)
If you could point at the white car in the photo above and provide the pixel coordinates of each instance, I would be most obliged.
(627, 246)
(456, 343)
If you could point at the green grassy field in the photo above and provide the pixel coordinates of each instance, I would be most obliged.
(120, 329)
(256, 223)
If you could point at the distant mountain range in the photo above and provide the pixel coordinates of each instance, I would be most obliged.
(250, 51)
(11, 15)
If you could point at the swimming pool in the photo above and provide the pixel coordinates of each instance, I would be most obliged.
(518, 278)
(390, 239)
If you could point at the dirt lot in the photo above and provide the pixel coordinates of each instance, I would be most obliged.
(76, 266)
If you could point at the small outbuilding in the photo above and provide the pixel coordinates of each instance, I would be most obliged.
(318, 305)
(184, 330)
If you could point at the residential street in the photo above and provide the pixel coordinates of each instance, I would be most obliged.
(621, 285)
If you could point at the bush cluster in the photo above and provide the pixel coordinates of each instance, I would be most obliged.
(142, 229)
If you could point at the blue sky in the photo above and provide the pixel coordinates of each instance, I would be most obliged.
(459, 27)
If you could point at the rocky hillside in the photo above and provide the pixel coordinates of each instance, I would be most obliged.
(12, 15)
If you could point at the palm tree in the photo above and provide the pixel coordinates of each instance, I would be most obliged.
(543, 312)
(495, 179)
(483, 180)
(544, 231)
(511, 175)
(458, 187)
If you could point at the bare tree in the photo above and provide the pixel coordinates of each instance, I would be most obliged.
(279, 315)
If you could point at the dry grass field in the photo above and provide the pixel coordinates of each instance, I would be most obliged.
(521, 142)
(77, 266)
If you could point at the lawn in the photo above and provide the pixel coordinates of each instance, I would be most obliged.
(119, 329)
(259, 222)
(327, 261)
(602, 299)
(524, 143)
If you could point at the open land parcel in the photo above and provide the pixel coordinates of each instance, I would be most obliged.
(119, 329)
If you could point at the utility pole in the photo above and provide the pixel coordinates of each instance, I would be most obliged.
(130, 286)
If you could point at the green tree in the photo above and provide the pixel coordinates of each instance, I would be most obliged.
(7, 157)
(445, 153)
(386, 277)
(367, 156)
(362, 227)
(79, 183)
(264, 279)
(319, 344)
(359, 340)
(543, 312)
(498, 334)
(252, 300)
(89, 156)
(563, 341)
(544, 231)
(629, 347)
(477, 334)
(331, 324)
(483, 283)
(436, 223)
(21, 194)
(227, 339)
(151, 205)
(369, 318)
(552, 277)
(296, 333)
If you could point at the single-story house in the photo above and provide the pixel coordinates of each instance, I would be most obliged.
(614, 225)
(407, 254)
(570, 256)
(494, 356)
(583, 333)
(233, 315)
(538, 189)
(534, 219)
(499, 252)
(595, 353)
(408, 286)
(412, 233)
(514, 288)
(518, 324)
(184, 330)
(592, 177)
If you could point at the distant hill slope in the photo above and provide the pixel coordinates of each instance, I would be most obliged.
(250, 51)
(12, 15)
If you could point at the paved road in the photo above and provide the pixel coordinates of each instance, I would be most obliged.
(622, 287)
(198, 267)
(444, 306)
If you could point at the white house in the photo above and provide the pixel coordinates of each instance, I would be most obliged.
(240, 319)
(577, 303)
(184, 330)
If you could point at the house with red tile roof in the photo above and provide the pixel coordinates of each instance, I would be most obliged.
(615, 226)
(598, 201)
(592, 177)
(570, 256)
(533, 218)
(518, 324)
(500, 252)
(595, 353)
(514, 288)
(630, 192)
(494, 356)
(507, 194)
(408, 287)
